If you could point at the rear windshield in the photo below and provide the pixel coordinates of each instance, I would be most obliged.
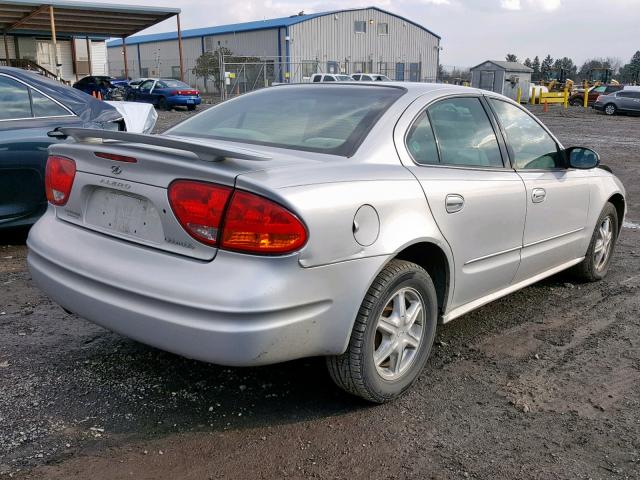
(325, 119)
(172, 84)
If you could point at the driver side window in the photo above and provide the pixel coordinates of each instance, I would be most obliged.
(530, 146)
(146, 85)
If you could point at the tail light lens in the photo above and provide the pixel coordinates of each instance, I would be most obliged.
(199, 208)
(239, 221)
(58, 179)
(186, 92)
(257, 225)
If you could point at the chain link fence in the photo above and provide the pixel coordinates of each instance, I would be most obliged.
(235, 75)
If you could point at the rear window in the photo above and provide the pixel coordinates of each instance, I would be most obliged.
(330, 119)
(172, 84)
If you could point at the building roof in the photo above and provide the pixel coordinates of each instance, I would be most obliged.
(103, 20)
(509, 66)
(281, 22)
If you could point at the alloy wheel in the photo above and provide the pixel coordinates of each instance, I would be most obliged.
(399, 333)
(604, 242)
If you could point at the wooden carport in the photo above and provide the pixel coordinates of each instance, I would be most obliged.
(81, 19)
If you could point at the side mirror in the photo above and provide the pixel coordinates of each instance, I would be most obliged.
(582, 158)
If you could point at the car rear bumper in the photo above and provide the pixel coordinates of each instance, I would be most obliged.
(237, 310)
(184, 101)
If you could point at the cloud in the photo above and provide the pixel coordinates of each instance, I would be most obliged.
(511, 4)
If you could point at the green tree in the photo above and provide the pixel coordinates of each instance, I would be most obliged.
(546, 67)
(511, 57)
(527, 62)
(535, 76)
(566, 64)
(630, 73)
(208, 68)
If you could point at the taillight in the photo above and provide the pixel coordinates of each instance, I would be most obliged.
(58, 179)
(257, 225)
(239, 221)
(187, 92)
(199, 208)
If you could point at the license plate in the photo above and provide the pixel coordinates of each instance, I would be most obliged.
(190, 101)
(129, 215)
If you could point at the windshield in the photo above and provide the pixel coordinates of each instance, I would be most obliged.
(326, 119)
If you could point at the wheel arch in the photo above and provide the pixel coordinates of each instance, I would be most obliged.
(618, 201)
(430, 256)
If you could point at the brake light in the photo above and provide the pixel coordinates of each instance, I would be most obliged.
(186, 92)
(114, 157)
(58, 179)
(199, 207)
(235, 220)
(257, 225)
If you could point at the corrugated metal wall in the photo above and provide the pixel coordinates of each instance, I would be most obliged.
(333, 38)
(406, 51)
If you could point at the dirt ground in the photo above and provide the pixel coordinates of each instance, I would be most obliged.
(543, 384)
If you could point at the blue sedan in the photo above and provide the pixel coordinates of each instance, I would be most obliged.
(166, 94)
(30, 107)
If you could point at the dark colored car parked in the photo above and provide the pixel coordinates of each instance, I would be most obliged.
(30, 107)
(577, 99)
(99, 83)
(166, 94)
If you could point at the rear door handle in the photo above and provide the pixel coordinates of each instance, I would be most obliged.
(454, 203)
(538, 195)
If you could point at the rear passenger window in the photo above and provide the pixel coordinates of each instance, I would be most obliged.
(464, 133)
(317, 78)
(421, 143)
(14, 100)
(45, 107)
(329, 78)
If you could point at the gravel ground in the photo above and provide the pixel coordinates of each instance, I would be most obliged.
(542, 384)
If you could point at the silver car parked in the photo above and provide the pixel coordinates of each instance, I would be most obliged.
(343, 221)
(626, 100)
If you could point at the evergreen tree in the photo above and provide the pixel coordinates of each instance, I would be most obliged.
(511, 57)
(545, 68)
(527, 62)
(535, 76)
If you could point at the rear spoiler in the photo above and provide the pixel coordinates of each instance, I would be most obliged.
(203, 151)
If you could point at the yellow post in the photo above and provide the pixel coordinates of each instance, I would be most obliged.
(519, 95)
(586, 94)
(533, 95)
(566, 98)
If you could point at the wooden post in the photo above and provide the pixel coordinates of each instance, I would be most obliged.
(6, 49)
(180, 49)
(89, 55)
(52, 19)
(126, 65)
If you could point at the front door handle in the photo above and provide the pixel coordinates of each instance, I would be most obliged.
(454, 203)
(538, 195)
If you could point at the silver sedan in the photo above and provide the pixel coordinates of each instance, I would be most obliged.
(341, 220)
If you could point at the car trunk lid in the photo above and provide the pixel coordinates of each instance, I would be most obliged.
(120, 187)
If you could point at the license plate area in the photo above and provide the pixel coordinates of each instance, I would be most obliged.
(124, 214)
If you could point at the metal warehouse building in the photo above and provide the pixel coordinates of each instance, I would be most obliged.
(290, 48)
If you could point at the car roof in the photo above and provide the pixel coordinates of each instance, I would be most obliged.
(633, 88)
(414, 89)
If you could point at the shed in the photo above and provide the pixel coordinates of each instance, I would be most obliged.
(502, 77)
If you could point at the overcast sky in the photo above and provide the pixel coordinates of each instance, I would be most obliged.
(471, 30)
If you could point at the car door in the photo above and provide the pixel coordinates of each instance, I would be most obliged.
(143, 93)
(626, 101)
(557, 197)
(26, 115)
(476, 199)
(636, 102)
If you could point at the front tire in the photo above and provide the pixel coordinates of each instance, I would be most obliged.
(392, 336)
(595, 265)
(163, 105)
(610, 109)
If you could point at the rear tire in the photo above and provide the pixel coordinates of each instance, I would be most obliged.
(595, 265)
(610, 109)
(191, 108)
(576, 102)
(392, 336)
